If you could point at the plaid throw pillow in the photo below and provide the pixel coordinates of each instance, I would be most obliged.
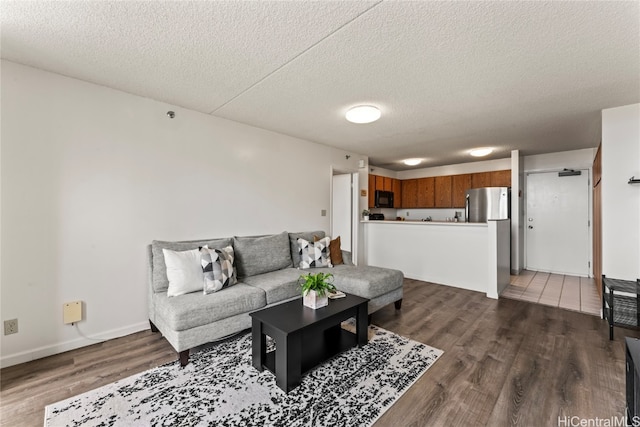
(218, 268)
(314, 254)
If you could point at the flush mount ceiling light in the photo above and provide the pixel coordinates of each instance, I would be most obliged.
(363, 114)
(481, 152)
(412, 162)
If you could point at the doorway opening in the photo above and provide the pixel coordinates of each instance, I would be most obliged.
(344, 207)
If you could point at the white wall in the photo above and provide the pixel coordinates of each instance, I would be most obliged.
(620, 200)
(517, 212)
(91, 175)
(436, 214)
(461, 168)
(375, 170)
(575, 159)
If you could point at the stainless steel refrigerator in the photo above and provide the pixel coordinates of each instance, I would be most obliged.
(488, 203)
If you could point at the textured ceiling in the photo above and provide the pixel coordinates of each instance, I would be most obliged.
(448, 76)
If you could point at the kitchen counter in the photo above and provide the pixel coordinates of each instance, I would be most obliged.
(474, 256)
(418, 222)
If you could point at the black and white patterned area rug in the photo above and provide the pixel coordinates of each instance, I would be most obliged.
(220, 387)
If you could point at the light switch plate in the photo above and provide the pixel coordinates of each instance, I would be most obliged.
(72, 312)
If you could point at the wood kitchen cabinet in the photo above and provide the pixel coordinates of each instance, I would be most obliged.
(384, 183)
(397, 193)
(481, 179)
(447, 191)
(387, 184)
(501, 178)
(426, 192)
(410, 193)
(372, 190)
(379, 182)
(443, 191)
(459, 186)
(491, 179)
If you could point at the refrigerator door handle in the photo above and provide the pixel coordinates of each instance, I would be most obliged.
(466, 209)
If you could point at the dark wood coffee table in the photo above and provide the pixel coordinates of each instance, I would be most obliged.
(305, 337)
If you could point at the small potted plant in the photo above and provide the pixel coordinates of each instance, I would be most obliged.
(365, 214)
(315, 289)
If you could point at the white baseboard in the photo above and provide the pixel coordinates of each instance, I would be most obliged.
(50, 350)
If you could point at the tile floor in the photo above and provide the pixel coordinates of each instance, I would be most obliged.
(570, 292)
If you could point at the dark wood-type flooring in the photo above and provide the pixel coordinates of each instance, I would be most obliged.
(506, 363)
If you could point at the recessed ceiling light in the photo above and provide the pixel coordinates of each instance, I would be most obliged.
(481, 152)
(412, 162)
(363, 114)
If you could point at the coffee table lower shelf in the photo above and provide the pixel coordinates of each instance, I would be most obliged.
(310, 359)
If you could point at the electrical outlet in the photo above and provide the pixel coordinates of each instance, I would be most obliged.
(407, 213)
(323, 212)
(11, 326)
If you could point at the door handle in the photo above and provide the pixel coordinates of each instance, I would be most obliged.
(531, 227)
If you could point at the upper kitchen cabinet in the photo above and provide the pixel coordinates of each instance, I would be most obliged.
(491, 179)
(372, 190)
(426, 192)
(380, 182)
(384, 183)
(447, 191)
(443, 191)
(387, 184)
(501, 178)
(397, 193)
(460, 185)
(410, 193)
(481, 180)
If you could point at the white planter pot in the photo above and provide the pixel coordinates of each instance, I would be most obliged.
(366, 218)
(314, 301)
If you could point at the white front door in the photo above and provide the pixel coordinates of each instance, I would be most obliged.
(557, 223)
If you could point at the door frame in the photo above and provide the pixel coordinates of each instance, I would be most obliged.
(589, 230)
(355, 206)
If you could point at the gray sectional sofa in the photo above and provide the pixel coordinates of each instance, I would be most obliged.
(267, 274)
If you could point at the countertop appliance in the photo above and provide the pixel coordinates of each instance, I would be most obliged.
(483, 204)
(384, 199)
(376, 217)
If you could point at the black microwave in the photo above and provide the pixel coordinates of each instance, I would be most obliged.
(384, 199)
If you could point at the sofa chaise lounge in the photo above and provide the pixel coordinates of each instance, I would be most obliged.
(268, 273)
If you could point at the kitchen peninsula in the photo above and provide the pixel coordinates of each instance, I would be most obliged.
(474, 256)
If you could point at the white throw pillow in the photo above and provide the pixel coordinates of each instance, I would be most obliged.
(184, 272)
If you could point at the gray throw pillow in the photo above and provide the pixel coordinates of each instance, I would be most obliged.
(257, 255)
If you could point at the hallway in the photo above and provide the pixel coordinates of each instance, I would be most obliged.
(568, 292)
